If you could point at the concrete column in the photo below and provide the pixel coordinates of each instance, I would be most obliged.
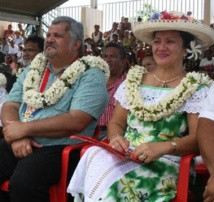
(208, 11)
(94, 4)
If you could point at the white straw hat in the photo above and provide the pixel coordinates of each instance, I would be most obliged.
(204, 35)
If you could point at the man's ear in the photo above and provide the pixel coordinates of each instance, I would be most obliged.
(77, 44)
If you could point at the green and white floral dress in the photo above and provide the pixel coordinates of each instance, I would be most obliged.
(101, 176)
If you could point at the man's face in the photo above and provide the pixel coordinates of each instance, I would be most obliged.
(29, 52)
(58, 43)
(112, 57)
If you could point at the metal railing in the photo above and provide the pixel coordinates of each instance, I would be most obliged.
(112, 12)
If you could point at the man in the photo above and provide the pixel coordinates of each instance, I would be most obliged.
(60, 97)
(115, 56)
(4, 46)
(32, 46)
(206, 140)
(207, 63)
(97, 36)
(18, 38)
(13, 49)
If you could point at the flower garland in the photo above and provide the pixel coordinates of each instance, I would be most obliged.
(3, 80)
(35, 99)
(167, 106)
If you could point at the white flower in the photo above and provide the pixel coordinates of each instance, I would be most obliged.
(195, 50)
(3, 80)
(166, 106)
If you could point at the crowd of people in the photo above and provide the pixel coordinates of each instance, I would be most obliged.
(141, 92)
(122, 33)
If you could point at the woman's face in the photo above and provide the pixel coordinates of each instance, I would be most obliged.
(168, 49)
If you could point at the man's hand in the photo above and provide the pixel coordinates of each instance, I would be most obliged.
(209, 190)
(14, 130)
(22, 148)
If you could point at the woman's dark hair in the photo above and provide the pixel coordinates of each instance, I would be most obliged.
(187, 38)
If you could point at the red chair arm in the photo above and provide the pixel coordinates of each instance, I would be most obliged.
(183, 178)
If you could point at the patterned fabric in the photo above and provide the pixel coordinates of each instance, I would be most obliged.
(105, 117)
(100, 176)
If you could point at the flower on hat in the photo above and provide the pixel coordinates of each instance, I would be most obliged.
(174, 16)
(195, 50)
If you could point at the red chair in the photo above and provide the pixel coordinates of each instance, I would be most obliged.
(58, 192)
(183, 193)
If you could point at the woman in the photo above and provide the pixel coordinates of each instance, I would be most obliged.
(151, 117)
(149, 62)
(126, 41)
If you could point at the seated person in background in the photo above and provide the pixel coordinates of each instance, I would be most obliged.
(3, 93)
(114, 30)
(156, 117)
(115, 39)
(57, 95)
(126, 41)
(21, 30)
(207, 63)
(114, 55)
(206, 141)
(149, 62)
(4, 46)
(125, 25)
(13, 49)
(9, 33)
(18, 38)
(14, 65)
(97, 36)
(32, 46)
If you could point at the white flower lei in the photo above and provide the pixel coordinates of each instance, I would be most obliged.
(166, 106)
(35, 99)
(3, 80)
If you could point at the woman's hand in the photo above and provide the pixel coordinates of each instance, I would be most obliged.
(151, 151)
(119, 143)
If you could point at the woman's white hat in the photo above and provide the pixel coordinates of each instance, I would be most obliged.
(204, 35)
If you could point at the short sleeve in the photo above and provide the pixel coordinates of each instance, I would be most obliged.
(208, 106)
(16, 93)
(120, 96)
(91, 94)
(195, 103)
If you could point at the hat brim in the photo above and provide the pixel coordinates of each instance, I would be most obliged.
(204, 35)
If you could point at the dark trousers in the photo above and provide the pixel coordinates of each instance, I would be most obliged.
(32, 176)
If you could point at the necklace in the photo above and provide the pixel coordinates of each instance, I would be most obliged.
(164, 85)
(167, 106)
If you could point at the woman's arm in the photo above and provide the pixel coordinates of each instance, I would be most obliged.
(151, 151)
(116, 128)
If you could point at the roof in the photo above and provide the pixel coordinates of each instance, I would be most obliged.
(26, 11)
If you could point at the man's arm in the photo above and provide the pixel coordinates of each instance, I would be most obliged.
(58, 126)
(10, 112)
(205, 135)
